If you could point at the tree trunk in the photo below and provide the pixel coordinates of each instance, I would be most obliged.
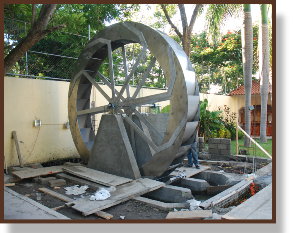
(36, 33)
(264, 51)
(186, 43)
(247, 58)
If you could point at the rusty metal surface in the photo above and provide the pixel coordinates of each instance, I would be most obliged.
(182, 90)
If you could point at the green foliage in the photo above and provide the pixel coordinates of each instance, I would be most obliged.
(209, 122)
(67, 42)
(228, 119)
(166, 109)
(224, 60)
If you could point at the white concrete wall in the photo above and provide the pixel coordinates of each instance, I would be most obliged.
(214, 101)
(28, 99)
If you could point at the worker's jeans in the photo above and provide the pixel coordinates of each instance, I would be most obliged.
(192, 155)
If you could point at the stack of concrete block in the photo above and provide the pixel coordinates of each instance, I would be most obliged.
(220, 146)
(200, 144)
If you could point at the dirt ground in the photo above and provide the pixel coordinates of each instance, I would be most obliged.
(128, 210)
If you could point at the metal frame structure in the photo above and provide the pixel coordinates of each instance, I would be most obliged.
(168, 147)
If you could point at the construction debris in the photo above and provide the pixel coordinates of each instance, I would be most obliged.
(75, 190)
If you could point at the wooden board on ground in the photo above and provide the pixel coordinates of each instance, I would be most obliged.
(68, 199)
(214, 190)
(97, 176)
(39, 171)
(57, 195)
(194, 214)
(122, 193)
(189, 171)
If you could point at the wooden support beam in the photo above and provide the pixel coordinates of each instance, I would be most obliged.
(14, 135)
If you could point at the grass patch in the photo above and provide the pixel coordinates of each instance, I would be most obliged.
(253, 150)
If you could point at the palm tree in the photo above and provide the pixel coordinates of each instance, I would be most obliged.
(264, 51)
(247, 58)
(216, 16)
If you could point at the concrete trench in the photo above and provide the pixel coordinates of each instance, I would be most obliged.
(176, 194)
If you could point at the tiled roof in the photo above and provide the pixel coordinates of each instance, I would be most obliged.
(255, 89)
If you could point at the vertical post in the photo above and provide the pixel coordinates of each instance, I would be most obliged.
(209, 79)
(89, 31)
(17, 148)
(133, 65)
(236, 125)
(26, 67)
(225, 82)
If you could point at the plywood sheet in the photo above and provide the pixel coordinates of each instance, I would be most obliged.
(123, 193)
(29, 173)
(194, 214)
(97, 176)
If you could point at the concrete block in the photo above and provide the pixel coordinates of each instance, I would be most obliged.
(171, 194)
(11, 179)
(226, 152)
(215, 140)
(57, 182)
(201, 145)
(225, 141)
(214, 151)
(201, 139)
(46, 180)
(195, 185)
(222, 146)
(204, 156)
(214, 146)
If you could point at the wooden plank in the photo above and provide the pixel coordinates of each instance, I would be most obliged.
(9, 184)
(57, 195)
(58, 207)
(68, 199)
(228, 193)
(17, 148)
(39, 171)
(260, 204)
(97, 176)
(123, 193)
(194, 214)
(214, 190)
(104, 215)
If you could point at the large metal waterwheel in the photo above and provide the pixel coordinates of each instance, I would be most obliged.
(150, 152)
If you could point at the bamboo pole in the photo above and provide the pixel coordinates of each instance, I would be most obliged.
(254, 142)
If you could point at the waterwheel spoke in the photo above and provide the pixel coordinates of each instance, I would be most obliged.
(125, 69)
(138, 130)
(95, 110)
(111, 69)
(108, 83)
(147, 100)
(127, 80)
(96, 85)
(157, 136)
(139, 86)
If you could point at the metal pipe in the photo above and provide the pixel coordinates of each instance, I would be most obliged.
(254, 141)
